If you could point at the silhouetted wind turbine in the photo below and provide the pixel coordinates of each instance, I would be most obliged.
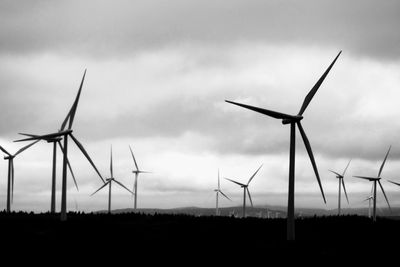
(369, 205)
(109, 182)
(218, 191)
(10, 178)
(65, 132)
(377, 180)
(341, 182)
(55, 141)
(294, 120)
(245, 190)
(136, 172)
(371, 197)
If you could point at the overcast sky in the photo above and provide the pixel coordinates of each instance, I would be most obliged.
(158, 73)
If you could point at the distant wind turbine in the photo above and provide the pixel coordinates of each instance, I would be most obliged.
(376, 180)
(370, 198)
(65, 132)
(294, 120)
(369, 205)
(10, 178)
(341, 182)
(218, 191)
(109, 182)
(245, 190)
(136, 172)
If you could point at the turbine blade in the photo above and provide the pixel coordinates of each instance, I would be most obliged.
(313, 90)
(218, 181)
(123, 186)
(335, 173)
(310, 154)
(273, 114)
(101, 187)
(383, 191)
(346, 168)
(75, 105)
(345, 192)
(368, 198)
(5, 151)
(134, 160)
(366, 177)
(235, 182)
(394, 182)
(224, 195)
(43, 137)
(25, 147)
(66, 120)
(82, 149)
(251, 178)
(111, 165)
(248, 193)
(69, 165)
(383, 163)
(30, 135)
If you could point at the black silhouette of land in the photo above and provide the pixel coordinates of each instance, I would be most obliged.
(126, 236)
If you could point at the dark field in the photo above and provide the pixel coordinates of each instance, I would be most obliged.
(132, 237)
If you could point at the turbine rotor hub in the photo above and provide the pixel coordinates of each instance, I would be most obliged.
(294, 119)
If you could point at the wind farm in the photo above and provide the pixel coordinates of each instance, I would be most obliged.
(229, 212)
(127, 134)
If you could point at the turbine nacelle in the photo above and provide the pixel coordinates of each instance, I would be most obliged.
(52, 140)
(9, 157)
(294, 119)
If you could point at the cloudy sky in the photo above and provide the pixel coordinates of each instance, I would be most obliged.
(158, 75)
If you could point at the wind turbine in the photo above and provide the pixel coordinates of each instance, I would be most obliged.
(341, 182)
(10, 178)
(109, 182)
(294, 120)
(376, 180)
(245, 190)
(55, 141)
(369, 205)
(218, 191)
(64, 132)
(136, 172)
(370, 198)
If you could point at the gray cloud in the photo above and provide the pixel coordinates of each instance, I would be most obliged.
(117, 28)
